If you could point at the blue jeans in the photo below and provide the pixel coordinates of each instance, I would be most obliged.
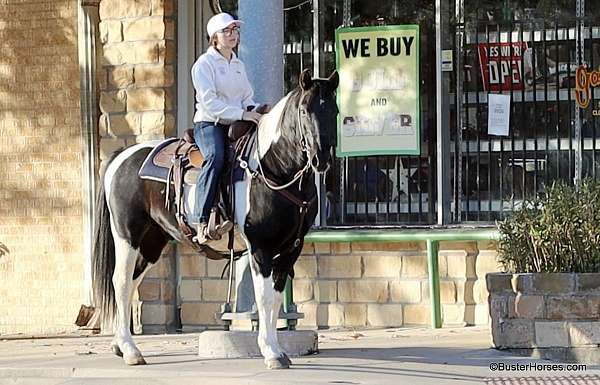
(210, 138)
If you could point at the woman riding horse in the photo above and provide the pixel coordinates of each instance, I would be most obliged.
(223, 95)
(275, 205)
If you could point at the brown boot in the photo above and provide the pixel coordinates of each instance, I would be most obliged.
(202, 236)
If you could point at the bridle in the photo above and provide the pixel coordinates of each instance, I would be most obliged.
(303, 204)
(299, 174)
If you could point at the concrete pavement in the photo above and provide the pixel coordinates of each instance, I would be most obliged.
(380, 357)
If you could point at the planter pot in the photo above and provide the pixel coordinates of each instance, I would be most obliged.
(555, 316)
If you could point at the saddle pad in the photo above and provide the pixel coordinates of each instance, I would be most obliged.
(150, 170)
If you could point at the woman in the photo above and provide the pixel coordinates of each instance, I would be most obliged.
(223, 95)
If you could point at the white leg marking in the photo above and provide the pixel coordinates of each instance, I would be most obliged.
(277, 300)
(265, 302)
(134, 301)
(125, 257)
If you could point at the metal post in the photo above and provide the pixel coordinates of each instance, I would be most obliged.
(434, 283)
(261, 47)
(288, 304)
(579, 46)
(443, 113)
(318, 56)
(261, 50)
(347, 13)
(460, 30)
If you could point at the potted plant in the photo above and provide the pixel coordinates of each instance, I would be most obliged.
(548, 300)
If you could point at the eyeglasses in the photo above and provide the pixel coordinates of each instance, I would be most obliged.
(230, 31)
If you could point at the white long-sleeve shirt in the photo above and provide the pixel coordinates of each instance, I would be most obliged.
(222, 88)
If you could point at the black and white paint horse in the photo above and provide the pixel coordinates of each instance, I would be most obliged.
(295, 140)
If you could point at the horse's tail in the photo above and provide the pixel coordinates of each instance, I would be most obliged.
(103, 255)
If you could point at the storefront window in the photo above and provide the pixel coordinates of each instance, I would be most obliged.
(385, 189)
(502, 11)
(528, 52)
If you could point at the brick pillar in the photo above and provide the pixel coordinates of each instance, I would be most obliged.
(137, 103)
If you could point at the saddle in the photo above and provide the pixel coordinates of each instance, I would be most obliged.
(177, 162)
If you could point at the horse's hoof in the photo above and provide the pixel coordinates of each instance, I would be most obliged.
(287, 359)
(116, 350)
(278, 363)
(134, 360)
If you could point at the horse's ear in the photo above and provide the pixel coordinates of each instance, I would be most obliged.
(305, 80)
(334, 80)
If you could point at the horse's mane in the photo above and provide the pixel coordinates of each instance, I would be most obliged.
(287, 152)
(287, 156)
(289, 118)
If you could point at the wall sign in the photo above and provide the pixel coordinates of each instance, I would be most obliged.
(378, 96)
(584, 81)
(502, 64)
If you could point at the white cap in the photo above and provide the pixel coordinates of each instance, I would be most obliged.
(219, 22)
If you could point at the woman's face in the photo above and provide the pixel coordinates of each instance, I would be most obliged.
(229, 37)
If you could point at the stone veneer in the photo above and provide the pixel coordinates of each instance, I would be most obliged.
(136, 79)
(554, 316)
(137, 75)
(41, 206)
(359, 285)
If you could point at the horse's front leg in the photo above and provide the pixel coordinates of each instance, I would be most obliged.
(268, 302)
(123, 344)
(279, 286)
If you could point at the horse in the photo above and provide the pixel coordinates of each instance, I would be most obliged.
(275, 206)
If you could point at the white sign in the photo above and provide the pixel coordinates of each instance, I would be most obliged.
(447, 60)
(498, 114)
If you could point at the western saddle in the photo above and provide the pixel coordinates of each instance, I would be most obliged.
(171, 160)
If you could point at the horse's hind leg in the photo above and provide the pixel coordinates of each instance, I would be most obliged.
(268, 302)
(125, 257)
(136, 283)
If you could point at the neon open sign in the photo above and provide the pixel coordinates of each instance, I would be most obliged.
(584, 81)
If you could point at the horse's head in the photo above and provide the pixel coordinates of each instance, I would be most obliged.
(317, 116)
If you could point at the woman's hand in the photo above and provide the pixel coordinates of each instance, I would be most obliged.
(251, 116)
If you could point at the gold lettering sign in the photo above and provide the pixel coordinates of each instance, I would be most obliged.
(584, 81)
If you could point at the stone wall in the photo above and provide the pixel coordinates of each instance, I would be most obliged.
(201, 289)
(551, 315)
(136, 78)
(137, 75)
(360, 285)
(41, 281)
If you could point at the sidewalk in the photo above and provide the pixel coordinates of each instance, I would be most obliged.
(380, 357)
